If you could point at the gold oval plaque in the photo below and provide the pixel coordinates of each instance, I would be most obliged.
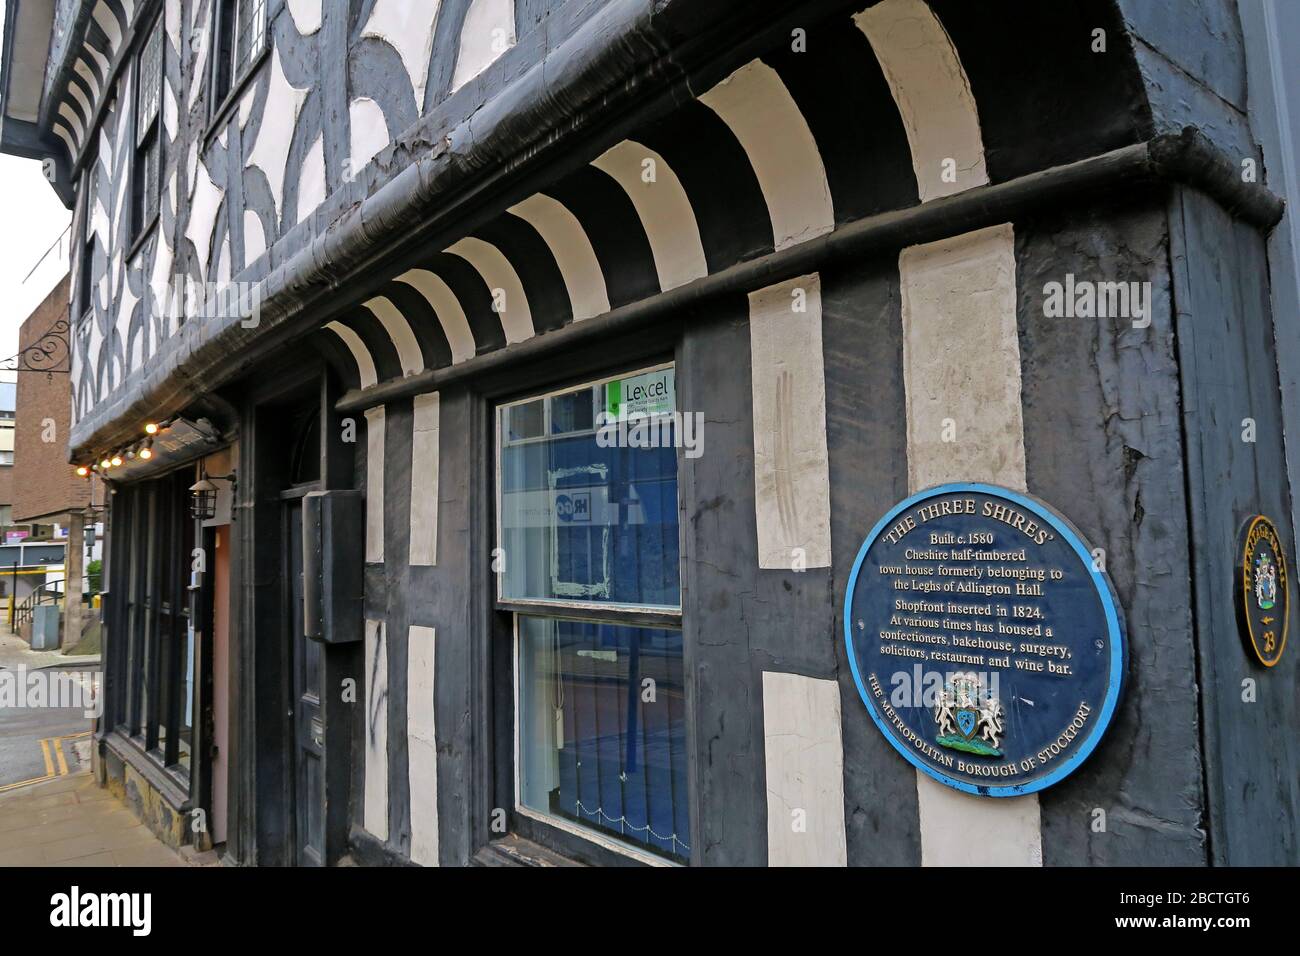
(1263, 590)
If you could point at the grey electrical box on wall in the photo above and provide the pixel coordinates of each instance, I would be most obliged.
(333, 565)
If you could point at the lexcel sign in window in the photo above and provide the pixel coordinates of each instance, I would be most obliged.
(587, 521)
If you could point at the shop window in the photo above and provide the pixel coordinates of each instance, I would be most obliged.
(146, 180)
(153, 539)
(589, 538)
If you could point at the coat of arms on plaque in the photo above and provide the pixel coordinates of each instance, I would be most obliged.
(969, 718)
(1263, 590)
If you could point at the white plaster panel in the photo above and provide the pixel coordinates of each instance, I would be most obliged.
(932, 92)
(170, 110)
(792, 502)
(306, 15)
(489, 31)
(246, 105)
(64, 134)
(192, 165)
(254, 237)
(368, 131)
(69, 114)
(399, 332)
(961, 829)
(375, 485)
(422, 745)
(279, 119)
(803, 750)
(450, 314)
(160, 282)
(424, 480)
(79, 95)
(574, 254)
(125, 305)
(108, 23)
(961, 360)
(199, 62)
(99, 58)
(408, 27)
(223, 261)
(172, 22)
(203, 215)
(663, 208)
(360, 354)
(375, 814)
(961, 368)
(504, 283)
(311, 180)
(92, 82)
(762, 114)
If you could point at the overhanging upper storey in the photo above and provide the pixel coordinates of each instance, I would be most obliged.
(410, 184)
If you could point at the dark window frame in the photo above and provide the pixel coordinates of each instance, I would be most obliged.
(86, 264)
(228, 72)
(152, 556)
(147, 152)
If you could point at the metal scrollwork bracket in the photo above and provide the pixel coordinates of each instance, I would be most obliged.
(49, 354)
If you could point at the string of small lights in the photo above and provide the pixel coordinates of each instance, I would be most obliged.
(141, 450)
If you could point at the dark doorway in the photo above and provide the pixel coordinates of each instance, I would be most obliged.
(294, 810)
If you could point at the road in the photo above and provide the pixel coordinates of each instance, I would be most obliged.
(41, 742)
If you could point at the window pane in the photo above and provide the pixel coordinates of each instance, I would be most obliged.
(250, 33)
(185, 740)
(148, 161)
(149, 77)
(602, 730)
(585, 515)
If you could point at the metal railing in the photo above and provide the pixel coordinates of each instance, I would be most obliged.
(51, 592)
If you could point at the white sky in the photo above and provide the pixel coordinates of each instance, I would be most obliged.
(32, 219)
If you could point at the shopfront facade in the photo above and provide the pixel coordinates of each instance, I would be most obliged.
(552, 362)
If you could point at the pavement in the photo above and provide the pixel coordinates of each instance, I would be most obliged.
(52, 812)
(14, 651)
(72, 821)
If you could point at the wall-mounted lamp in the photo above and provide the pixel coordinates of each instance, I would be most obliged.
(203, 494)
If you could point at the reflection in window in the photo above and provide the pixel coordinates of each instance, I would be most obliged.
(602, 729)
(588, 520)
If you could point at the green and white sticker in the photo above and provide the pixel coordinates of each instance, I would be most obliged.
(651, 393)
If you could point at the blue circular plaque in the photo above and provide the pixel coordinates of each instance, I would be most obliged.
(984, 638)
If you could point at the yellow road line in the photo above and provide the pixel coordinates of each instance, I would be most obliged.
(58, 752)
(49, 755)
(24, 783)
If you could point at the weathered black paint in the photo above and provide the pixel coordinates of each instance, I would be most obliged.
(1103, 443)
(1228, 374)
(866, 439)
